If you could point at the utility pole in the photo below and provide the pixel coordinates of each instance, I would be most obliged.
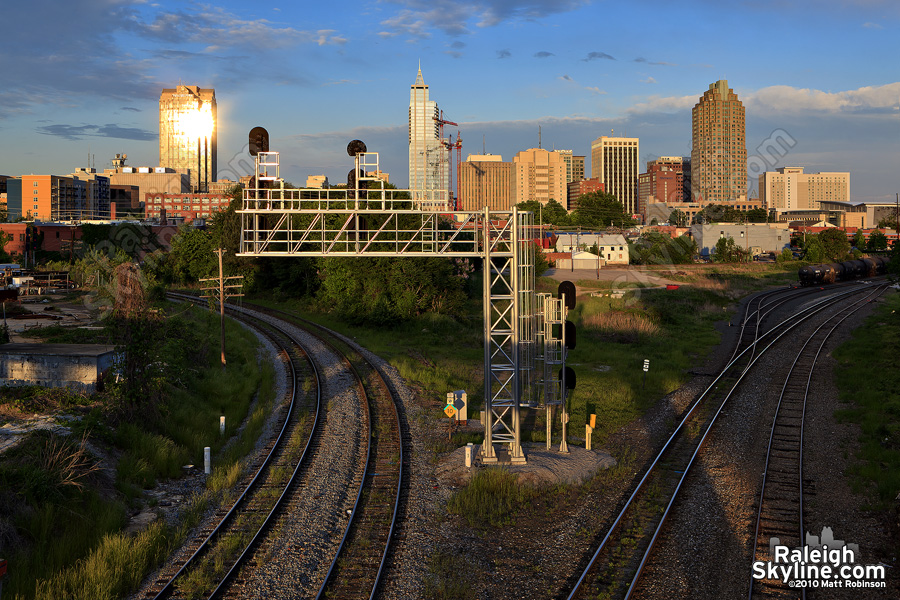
(226, 289)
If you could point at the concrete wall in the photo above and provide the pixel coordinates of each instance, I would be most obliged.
(768, 237)
(76, 366)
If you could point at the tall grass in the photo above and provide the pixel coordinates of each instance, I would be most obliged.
(75, 547)
(491, 498)
(875, 406)
(114, 568)
(621, 322)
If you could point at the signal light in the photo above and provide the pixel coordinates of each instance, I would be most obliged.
(570, 377)
(259, 140)
(356, 147)
(570, 335)
(566, 291)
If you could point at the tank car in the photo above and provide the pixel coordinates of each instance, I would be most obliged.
(845, 271)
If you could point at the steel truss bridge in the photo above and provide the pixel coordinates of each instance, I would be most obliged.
(522, 344)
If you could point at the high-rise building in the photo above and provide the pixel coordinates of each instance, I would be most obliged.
(574, 165)
(485, 181)
(188, 130)
(48, 198)
(429, 160)
(719, 148)
(614, 161)
(664, 181)
(789, 188)
(539, 175)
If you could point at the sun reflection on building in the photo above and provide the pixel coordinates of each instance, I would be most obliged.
(188, 132)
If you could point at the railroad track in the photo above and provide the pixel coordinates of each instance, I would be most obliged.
(331, 532)
(780, 507)
(217, 551)
(615, 567)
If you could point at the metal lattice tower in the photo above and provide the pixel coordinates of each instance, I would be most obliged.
(368, 220)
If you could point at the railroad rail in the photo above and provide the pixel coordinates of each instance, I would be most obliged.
(615, 567)
(352, 562)
(780, 509)
(253, 511)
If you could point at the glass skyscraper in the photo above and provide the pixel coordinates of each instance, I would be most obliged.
(188, 132)
(429, 164)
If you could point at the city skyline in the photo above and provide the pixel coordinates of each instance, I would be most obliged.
(87, 80)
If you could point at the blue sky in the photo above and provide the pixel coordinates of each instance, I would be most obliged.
(819, 80)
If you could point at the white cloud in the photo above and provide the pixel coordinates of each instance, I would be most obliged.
(665, 104)
(870, 25)
(648, 80)
(419, 18)
(787, 99)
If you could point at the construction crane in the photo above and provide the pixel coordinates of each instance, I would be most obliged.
(449, 144)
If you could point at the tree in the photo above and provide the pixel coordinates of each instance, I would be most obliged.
(877, 242)
(835, 244)
(599, 209)
(727, 250)
(678, 218)
(552, 212)
(859, 239)
(384, 291)
(813, 249)
(654, 248)
(192, 256)
(757, 215)
(888, 223)
(785, 256)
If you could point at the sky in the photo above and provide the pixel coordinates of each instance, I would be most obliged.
(820, 80)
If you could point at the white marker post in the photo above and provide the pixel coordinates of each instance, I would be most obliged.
(206, 460)
(646, 368)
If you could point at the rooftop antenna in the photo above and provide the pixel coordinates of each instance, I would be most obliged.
(483, 147)
(539, 136)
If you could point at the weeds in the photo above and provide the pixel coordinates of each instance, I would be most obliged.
(491, 498)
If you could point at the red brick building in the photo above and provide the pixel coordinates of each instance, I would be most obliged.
(185, 206)
(579, 188)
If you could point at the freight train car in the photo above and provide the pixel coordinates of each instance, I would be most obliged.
(845, 271)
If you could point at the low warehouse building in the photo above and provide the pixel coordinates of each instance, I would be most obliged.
(76, 366)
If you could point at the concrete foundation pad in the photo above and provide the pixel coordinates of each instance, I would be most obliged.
(543, 467)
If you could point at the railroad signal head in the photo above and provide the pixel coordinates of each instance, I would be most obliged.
(259, 140)
(570, 335)
(570, 377)
(356, 147)
(567, 293)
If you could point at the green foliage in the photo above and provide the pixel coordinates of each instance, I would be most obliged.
(131, 239)
(382, 291)
(192, 255)
(785, 256)
(859, 239)
(835, 244)
(292, 277)
(492, 497)
(660, 249)
(444, 579)
(893, 267)
(552, 212)
(678, 218)
(888, 223)
(877, 242)
(727, 251)
(757, 215)
(813, 249)
(599, 209)
(875, 406)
